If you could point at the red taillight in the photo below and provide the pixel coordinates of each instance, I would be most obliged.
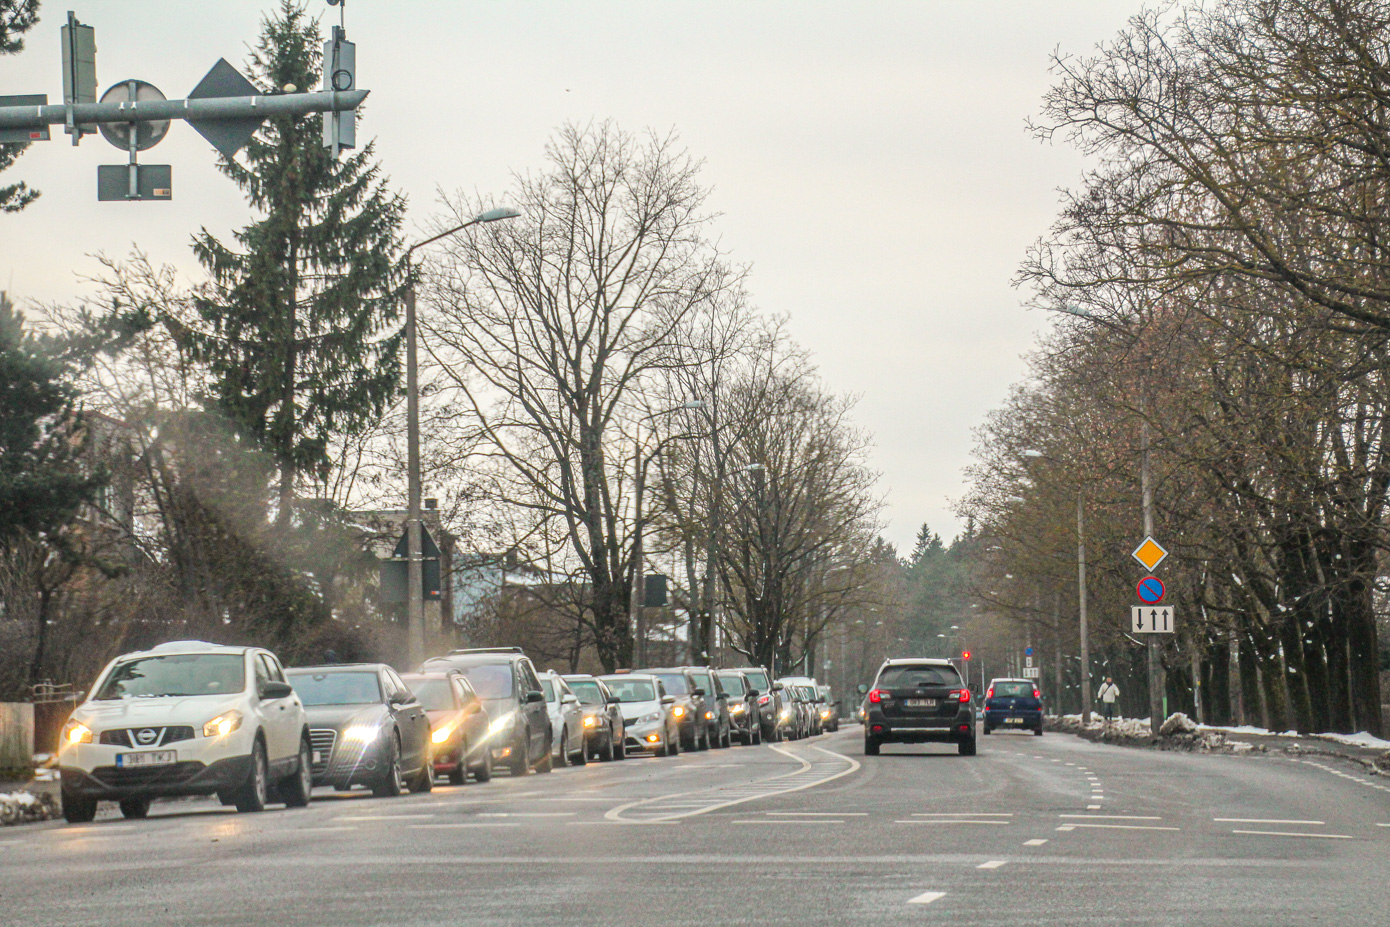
(764, 699)
(875, 696)
(990, 693)
(1037, 694)
(964, 695)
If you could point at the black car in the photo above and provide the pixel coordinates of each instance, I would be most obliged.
(741, 700)
(830, 710)
(505, 680)
(770, 702)
(916, 701)
(365, 728)
(1013, 705)
(717, 717)
(690, 707)
(604, 731)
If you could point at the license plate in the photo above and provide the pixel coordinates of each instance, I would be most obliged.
(1013, 720)
(920, 702)
(155, 758)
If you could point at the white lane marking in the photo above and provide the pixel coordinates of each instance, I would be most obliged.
(384, 817)
(1262, 821)
(319, 830)
(1120, 826)
(819, 814)
(1035, 842)
(952, 821)
(1066, 828)
(1071, 764)
(1114, 817)
(1093, 807)
(619, 823)
(1383, 825)
(790, 821)
(962, 814)
(926, 898)
(458, 826)
(527, 814)
(992, 864)
(1278, 833)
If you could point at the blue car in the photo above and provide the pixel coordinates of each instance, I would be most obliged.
(1013, 704)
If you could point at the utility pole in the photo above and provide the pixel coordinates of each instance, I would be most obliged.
(1081, 596)
(1146, 491)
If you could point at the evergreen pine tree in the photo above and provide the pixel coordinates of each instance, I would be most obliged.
(296, 324)
(42, 479)
(16, 18)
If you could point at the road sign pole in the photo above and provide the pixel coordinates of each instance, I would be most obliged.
(1081, 595)
(1146, 490)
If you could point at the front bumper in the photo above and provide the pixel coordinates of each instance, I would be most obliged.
(186, 777)
(639, 737)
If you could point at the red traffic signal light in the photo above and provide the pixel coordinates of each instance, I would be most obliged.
(965, 655)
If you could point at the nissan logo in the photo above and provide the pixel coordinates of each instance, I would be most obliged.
(148, 736)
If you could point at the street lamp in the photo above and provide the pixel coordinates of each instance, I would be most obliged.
(636, 615)
(415, 578)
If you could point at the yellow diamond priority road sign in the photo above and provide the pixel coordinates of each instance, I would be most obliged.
(1150, 554)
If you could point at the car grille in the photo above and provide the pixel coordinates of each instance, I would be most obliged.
(130, 737)
(172, 774)
(321, 742)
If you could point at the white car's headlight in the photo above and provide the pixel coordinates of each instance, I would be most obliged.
(678, 711)
(361, 733)
(736, 708)
(75, 732)
(591, 721)
(223, 724)
(648, 718)
(442, 733)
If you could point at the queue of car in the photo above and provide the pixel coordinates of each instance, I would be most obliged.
(194, 718)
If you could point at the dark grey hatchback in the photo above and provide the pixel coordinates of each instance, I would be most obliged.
(916, 701)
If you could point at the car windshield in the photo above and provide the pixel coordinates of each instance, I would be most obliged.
(1013, 690)
(674, 682)
(909, 677)
(490, 680)
(702, 681)
(588, 692)
(433, 694)
(548, 687)
(178, 674)
(354, 688)
(732, 684)
(632, 690)
(757, 679)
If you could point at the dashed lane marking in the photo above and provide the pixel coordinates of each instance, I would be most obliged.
(1280, 833)
(1116, 826)
(460, 826)
(790, 821)
(1263, 821)
(1093, 807)
(963, 814)
(1035, 842)
(926, 898)
(819, 814)
(1114, 817)
(992, 864)
(320, 830)
(951, 821)
(384, 817)
(527, 814)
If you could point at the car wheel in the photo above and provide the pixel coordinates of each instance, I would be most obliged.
(673, 744)
(704, 743)
(564, 748)
(483, 771)
(988, 730)
(609, 751)
(423, 781)
(519, 762)
(582, 757)
(546, 765)
(459, 774)
(389, 784)
(253, 796)
(620, 750)
(871, 746)
(296, 788)
(967, 747)
(78, 810)
(135, 807)
(1037, 731)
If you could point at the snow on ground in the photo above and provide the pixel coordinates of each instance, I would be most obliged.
(1361, 739)
(21, 807)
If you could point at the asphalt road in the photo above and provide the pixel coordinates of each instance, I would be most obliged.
(1033, 831)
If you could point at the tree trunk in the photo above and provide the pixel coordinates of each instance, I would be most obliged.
(1295, 675)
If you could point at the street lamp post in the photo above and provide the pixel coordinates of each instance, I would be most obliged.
(415, 578)
(637, 613)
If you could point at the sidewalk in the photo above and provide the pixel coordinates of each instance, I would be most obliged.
(1181, 733)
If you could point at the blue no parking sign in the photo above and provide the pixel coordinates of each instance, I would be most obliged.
(1150, 590)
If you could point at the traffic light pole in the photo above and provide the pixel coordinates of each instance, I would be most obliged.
(209, 109)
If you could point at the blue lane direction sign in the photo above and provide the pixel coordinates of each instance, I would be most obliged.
(1150, 590)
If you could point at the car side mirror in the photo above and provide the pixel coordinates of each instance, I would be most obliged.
(668, 700)
(535, 695)
(699, 692)
(569, 700)
(398, 698)
(614, 700)
(863, 689)
(777, 687)
(270, 690)
(753, 693)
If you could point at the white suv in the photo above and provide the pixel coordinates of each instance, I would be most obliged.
(186, 718)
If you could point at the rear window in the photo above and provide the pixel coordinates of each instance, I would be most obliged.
(434, 694)
(587, 691)
(1013, 690)
(732, 684)
(909, 677)
(674, 683)
(630, 690)
(757, 679)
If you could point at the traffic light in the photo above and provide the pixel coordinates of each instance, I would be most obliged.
(965, 655)
(339, 76)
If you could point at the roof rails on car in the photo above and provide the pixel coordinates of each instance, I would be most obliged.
(486, 650)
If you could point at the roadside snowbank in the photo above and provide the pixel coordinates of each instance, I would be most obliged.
(25, 807)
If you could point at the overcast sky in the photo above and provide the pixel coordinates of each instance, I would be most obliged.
(869, 160)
